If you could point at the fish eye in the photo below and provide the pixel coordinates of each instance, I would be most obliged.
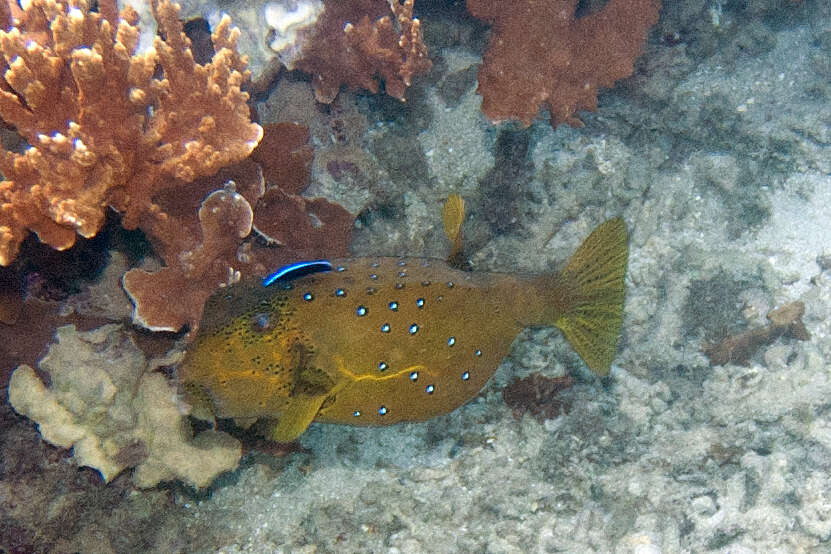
(382, 366)
(478, 353)
(465, 376)
(340, 293)
(261, 322)
(373, 276)
(451, 341)
(385, 328)
(361, 311)
(429, 389)
(382, 410)
(413, 329)
(414, 376)
(420, 302)
(308, 297)
(393, 306)
(356, 413)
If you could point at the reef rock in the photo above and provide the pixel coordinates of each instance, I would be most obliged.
(106, 402)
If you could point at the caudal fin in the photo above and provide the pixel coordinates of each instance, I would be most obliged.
(594, 292)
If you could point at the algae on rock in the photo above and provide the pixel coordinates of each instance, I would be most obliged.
(106, 402)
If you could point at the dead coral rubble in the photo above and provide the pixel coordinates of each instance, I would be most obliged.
(537, 395)
(542, 54)
(103, 129)
(738, 349)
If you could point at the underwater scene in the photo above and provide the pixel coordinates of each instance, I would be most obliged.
(371, 276)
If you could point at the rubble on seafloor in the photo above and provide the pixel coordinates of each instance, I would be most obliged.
(711, 151)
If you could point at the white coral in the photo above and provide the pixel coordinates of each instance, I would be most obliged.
(291, 22)
(105, 401)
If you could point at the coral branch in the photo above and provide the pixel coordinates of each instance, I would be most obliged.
(356, 42)
(541, 54)
(203, 232)
(103, 129)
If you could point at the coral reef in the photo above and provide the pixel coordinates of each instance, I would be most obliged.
(159, 151)
(103, 129)
(356, 42)
(542, 54)
(206, 240)
(738, 349)
(84, 513)
(105, 401)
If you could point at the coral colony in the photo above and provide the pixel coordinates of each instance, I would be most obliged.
(168, 144)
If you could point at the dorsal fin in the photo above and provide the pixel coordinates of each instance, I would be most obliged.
(296, 270)
(453, 215)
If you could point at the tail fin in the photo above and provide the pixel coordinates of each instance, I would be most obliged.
(594, 294)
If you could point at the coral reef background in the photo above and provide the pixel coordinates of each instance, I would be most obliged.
(715, 151)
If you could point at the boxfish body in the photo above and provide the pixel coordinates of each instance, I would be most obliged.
(376, 341)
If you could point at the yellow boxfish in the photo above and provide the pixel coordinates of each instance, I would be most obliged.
(376, 341)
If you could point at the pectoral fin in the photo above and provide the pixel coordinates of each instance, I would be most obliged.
(297, 416)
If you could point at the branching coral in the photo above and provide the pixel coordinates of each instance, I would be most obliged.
(161, 139)
(104, 130)
(206, 239)
(541, 54)
(356, 42)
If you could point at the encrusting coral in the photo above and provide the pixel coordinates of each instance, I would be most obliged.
(542, 54)
(106, 403)
(103, 128)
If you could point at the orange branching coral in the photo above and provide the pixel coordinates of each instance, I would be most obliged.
(103, 128)
(541, 54)
(206, 238)
(355, 42)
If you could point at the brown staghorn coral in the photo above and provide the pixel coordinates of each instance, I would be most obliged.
(356, 42)
(103, 129)
(542, 54)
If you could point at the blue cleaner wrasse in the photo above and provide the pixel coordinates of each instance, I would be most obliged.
(377, 341)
